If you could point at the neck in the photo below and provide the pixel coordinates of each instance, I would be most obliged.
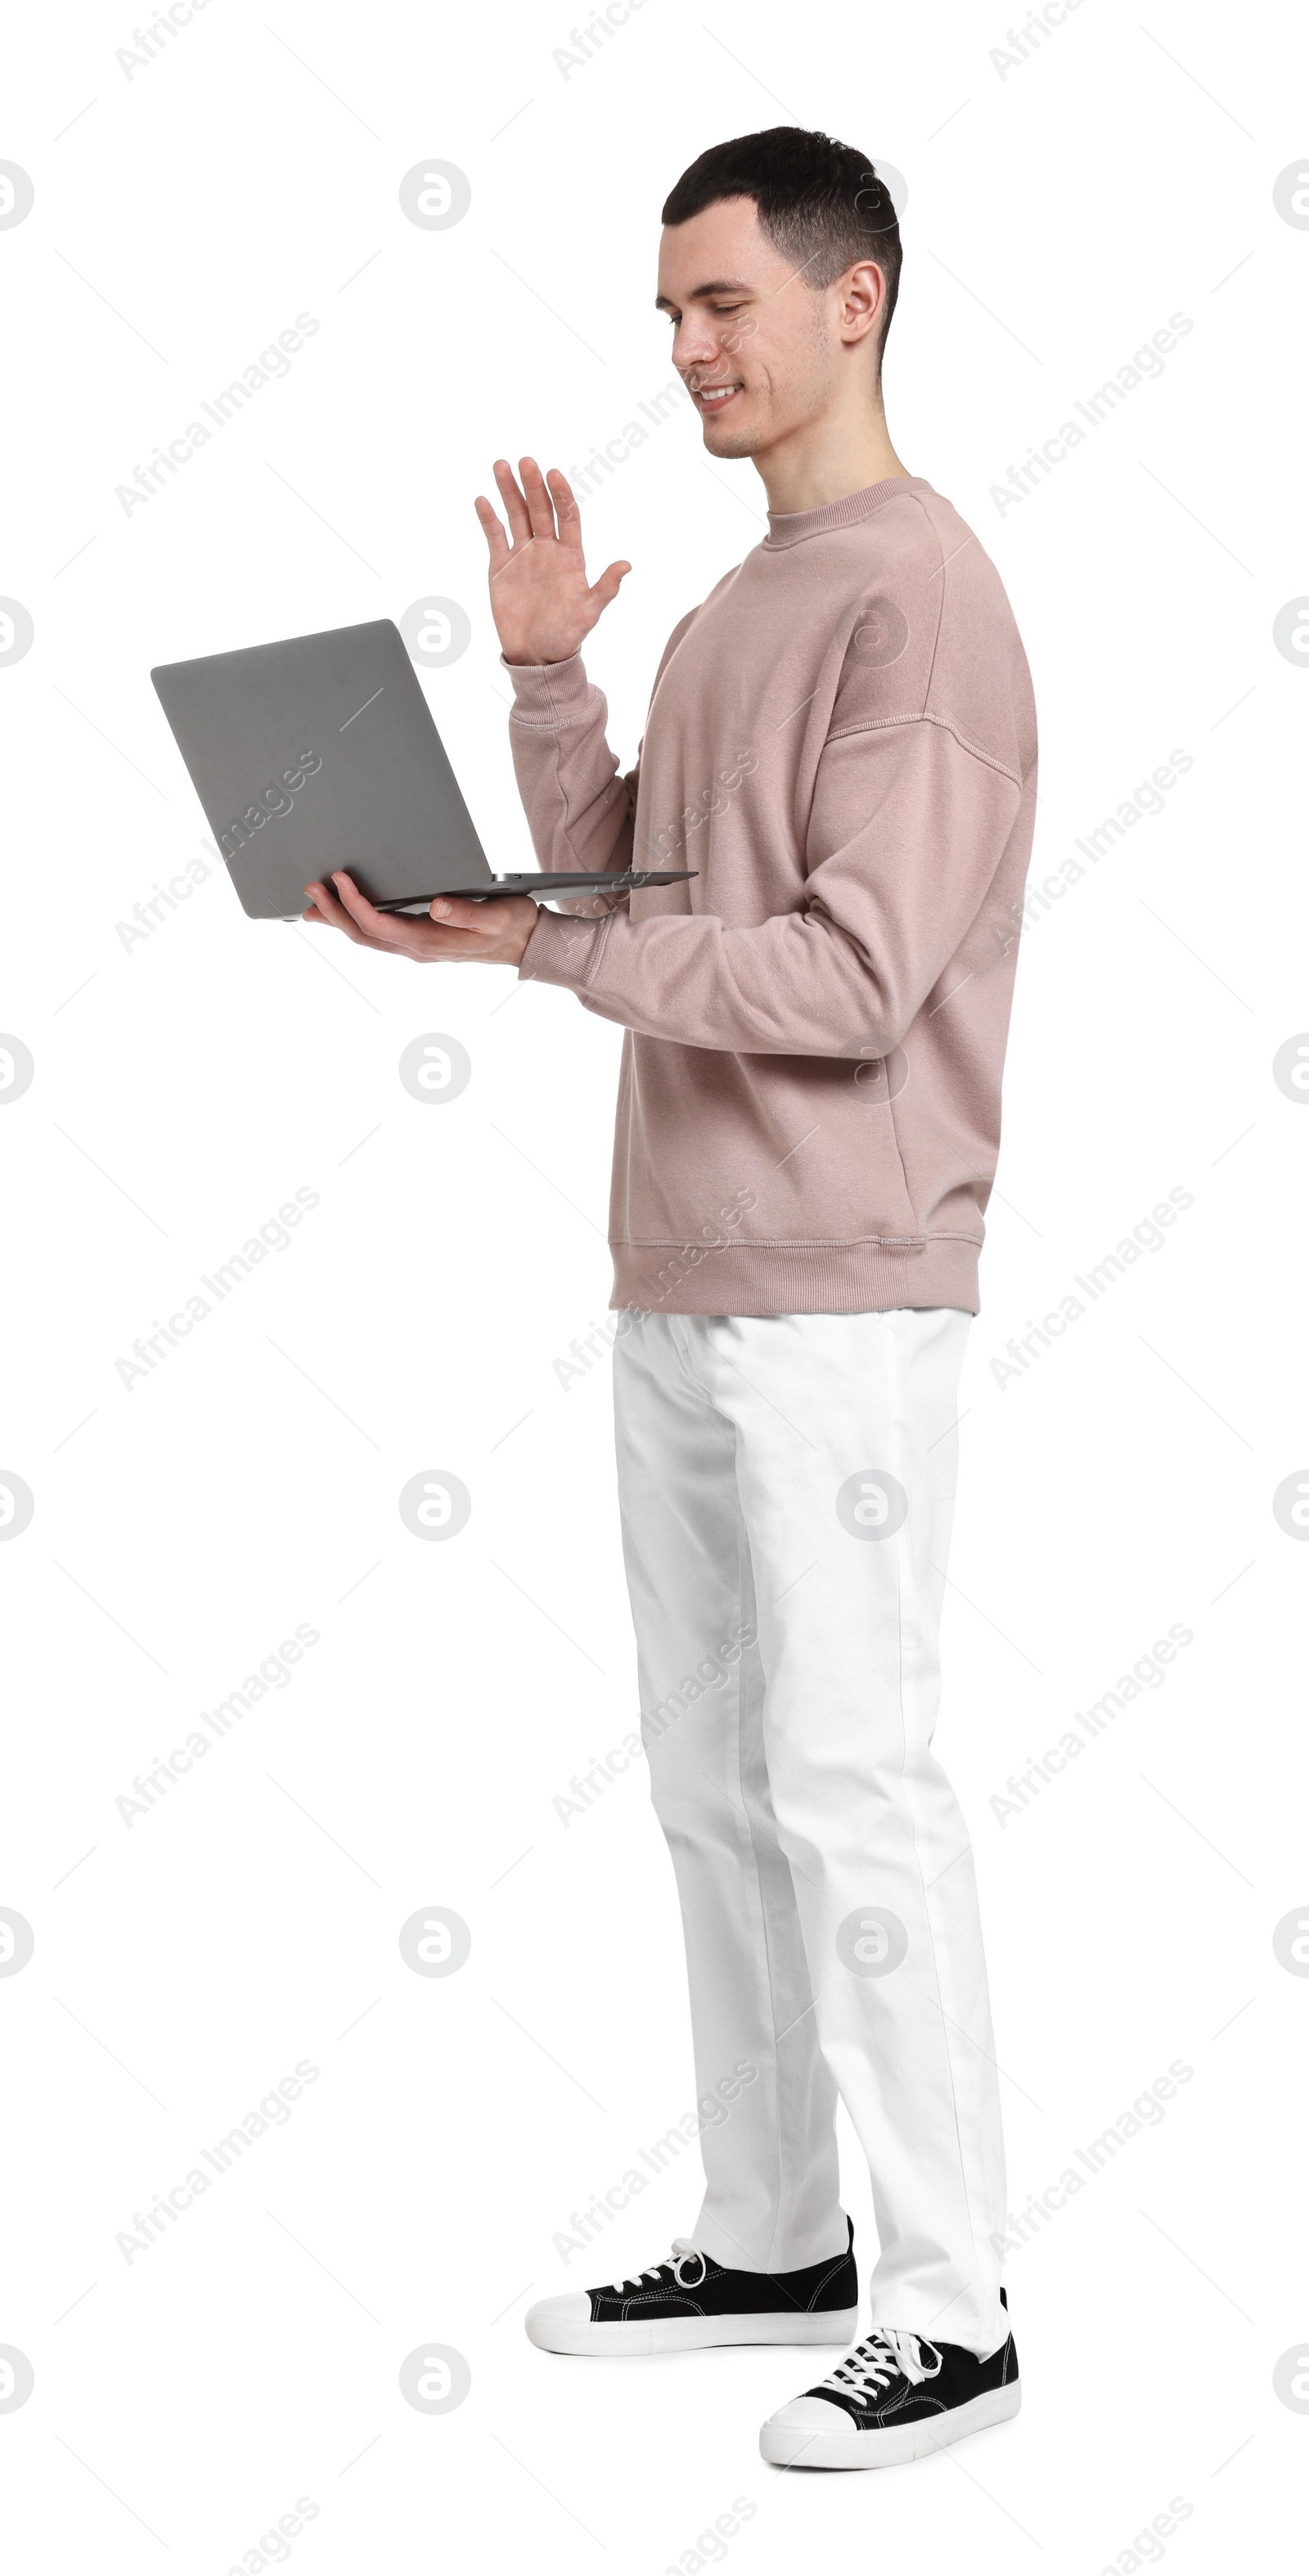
(826, 461)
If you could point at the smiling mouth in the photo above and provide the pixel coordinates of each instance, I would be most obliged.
(715, 398)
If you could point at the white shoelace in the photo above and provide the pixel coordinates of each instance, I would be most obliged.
(683, 2252)
(884, 2356)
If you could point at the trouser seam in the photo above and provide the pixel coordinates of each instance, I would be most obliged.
(909, 1808)
(743, 1558)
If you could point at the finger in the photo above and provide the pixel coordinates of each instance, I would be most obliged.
(329, 911)
(566, 509)
(351, 912)
(516, 509)
(460, 913)
(608, 585)
(497, 543)
(536, 493)
(327, 905)
(357, 904)
(407, 934)
(403, 936)
(342, 923)
(394, 930)
(343, 907)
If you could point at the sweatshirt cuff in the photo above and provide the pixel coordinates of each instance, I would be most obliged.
(563, 950)
(548, 694)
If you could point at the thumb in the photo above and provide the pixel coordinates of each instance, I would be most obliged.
(607, 586)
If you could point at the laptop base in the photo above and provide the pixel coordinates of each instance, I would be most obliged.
(594, 881)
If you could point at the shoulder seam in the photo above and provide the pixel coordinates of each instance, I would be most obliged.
(880, 724)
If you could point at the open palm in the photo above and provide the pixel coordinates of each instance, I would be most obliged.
(541, 600)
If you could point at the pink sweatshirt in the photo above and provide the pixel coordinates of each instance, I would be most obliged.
(842, 742)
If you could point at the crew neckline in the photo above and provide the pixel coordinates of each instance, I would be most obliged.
(788, 527)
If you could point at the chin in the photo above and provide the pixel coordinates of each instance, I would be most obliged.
(739, 440)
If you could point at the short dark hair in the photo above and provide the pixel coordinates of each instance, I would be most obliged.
(819, 202)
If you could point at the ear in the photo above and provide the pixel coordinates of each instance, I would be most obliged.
(861, 300)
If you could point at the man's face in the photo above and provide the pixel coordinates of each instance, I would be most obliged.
(756, 347)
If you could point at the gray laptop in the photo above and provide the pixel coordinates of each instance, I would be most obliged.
(319, 753)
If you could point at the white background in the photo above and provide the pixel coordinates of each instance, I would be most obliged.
(1060, 210)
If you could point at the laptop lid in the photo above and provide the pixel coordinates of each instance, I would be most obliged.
(316, 753)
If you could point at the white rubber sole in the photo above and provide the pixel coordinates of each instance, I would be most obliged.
(689, 2334)
(890, 2447)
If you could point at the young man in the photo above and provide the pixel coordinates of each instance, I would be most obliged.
(841, 743)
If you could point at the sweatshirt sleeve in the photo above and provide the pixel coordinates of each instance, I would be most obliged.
(579, 811)
(906, 831)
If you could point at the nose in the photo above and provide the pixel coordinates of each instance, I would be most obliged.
(694, 345)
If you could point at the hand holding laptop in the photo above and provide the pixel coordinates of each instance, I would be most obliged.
(455, 931)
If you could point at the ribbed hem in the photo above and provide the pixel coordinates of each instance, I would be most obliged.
(547, 694)
(793, 1278)
(787, 527)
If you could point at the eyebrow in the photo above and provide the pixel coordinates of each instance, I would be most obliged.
(716, 286)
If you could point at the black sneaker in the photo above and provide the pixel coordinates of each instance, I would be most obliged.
(691, 2301)
(894, 2398)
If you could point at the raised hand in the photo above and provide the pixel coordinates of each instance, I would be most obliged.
(541, 600)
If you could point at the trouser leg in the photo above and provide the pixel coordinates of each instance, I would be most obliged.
(844, 1462)
(771, 2199)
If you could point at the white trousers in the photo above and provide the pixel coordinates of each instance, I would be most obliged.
(787, 1487)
